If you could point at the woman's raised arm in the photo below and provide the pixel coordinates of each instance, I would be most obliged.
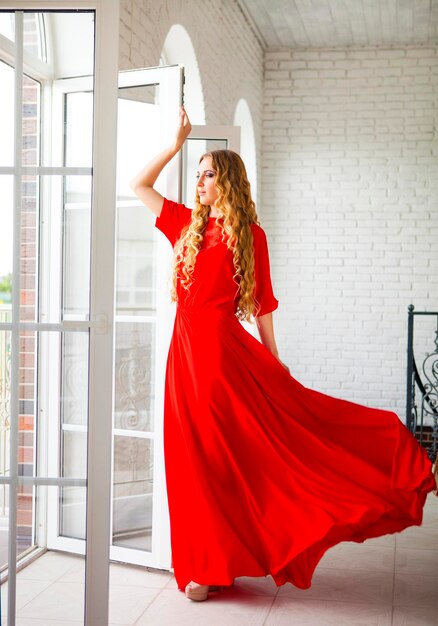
(143, 184)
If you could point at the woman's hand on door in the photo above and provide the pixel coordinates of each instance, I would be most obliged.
(183, 129)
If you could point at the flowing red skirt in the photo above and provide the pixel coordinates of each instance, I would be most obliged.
(263, 474)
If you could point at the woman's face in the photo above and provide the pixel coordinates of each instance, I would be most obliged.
(206, 176)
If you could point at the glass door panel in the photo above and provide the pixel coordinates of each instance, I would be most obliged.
(64, 357)
(138, 141)
(133, 435)
(148, 108)
(134, 397)
(76, 229)
(78, 138)
(133, 490)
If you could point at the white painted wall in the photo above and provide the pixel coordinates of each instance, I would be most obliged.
(350, 175)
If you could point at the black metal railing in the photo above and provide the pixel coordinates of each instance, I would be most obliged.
(422, 389)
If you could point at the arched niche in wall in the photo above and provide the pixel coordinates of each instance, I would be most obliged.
(243, 118)
(178, 49)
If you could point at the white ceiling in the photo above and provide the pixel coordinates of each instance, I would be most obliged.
(340, 23)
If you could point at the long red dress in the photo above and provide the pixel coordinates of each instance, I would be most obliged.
(263, 474)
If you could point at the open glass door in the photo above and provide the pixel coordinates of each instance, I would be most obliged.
(148, 104)
(56, 240)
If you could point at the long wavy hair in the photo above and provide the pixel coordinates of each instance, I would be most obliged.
(239, 211)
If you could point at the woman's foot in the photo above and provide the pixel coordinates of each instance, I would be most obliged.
(196, 592)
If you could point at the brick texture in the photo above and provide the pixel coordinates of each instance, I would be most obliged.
(349, 187)
(347, 174)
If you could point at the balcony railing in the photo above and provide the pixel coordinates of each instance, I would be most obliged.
(422, 388)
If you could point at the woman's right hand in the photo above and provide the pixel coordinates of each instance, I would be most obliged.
(183, 129)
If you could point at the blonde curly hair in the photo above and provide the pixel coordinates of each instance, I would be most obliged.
(236, 205)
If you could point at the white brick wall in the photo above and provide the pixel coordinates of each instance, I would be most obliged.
(350, 182)
(229, 56)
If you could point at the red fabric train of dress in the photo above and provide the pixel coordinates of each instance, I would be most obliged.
(263, 474)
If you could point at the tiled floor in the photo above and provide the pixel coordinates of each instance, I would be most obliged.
(389, 581)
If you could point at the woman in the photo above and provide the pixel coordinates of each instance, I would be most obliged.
(263, 475)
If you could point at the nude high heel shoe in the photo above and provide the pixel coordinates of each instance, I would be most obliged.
(198, 593)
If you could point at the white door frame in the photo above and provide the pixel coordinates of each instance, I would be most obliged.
(101, 304)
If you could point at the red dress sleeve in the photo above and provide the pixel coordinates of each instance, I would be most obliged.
(264, 293)
(173, 217)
